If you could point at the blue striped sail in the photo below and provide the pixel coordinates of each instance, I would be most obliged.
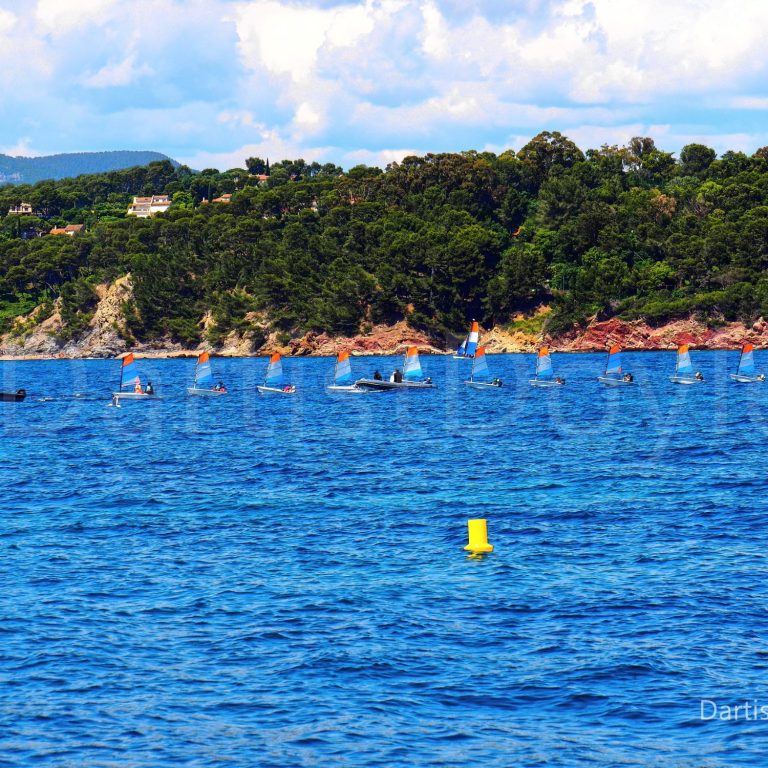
(203, 374)
(342, 376)
(472, 339)
(412, 365)
(480, 371)
(274, 377)
(129, 373)
(544, 368)
(614, 360)
(684, 366)
(747, 360)
(462, 350)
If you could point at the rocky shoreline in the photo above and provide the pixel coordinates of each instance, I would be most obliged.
(106, 337)
(395, 339)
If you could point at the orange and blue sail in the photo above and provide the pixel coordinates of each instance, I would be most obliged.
(544, 368)
(203, 373)
(412, 365)
(468, 347)
(480, 371)
(129, 373)
(342, 375)
(614, 360)
(747, 360)
(274, 377)
(684, 366)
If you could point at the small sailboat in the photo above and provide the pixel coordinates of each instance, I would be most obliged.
(545, 374)
(343, 381)
(746, 373)
(468, 347)
(411, 376)
(480, 377)
(275, 382)
(204, 386)
(130, 384)
(684, 373)
(613, 376)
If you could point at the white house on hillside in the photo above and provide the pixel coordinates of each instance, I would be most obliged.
(144, 207)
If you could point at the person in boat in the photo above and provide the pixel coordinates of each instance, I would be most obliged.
(137, 387)
(376, 376)
(397, 376)
(699, 376)
(428, 380)
(219, 387)
(497, 382)
(150, 390)
(559, 380)
(628, 377)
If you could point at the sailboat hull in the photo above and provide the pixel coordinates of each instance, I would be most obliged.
(740, 378)
(133, 396)
(482, 385)
(350, 389)
(262, 390)
(545, 384)
(685, 380)
(608, 381)
(205, 392)
(463, 357)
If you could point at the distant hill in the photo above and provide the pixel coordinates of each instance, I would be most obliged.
(29, 170)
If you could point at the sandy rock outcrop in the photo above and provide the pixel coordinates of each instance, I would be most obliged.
(31, 337)
(498, 340)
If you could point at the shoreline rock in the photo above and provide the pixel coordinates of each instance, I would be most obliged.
(107, 337)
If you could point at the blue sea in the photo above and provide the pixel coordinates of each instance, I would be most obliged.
(254, 581)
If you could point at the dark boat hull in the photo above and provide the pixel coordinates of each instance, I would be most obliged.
(12, 397)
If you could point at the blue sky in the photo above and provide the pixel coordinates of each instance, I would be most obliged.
(211, 82)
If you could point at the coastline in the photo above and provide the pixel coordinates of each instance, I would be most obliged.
(43, 336)
(393, 340)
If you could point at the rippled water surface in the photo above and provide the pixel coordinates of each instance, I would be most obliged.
(281, 581)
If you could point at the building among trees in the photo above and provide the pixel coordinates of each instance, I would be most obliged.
(145, 207)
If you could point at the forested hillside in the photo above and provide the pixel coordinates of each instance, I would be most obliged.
(618, 231)
(28, 170)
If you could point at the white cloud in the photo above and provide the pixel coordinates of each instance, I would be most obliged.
(285, 39)
(749, 102)
(20, 149)
(306, 115)
(272, 146)
(300, 77)
(120, 73)
(379, 158)
(7, 21)
(64, 15)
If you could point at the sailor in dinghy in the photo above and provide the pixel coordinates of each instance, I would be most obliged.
(480, 377)
(684, 373)
(746, 372)
(613, 375)
(275, 382)
(545, 374)
(203, 385)
(130, 383)
(343, 381)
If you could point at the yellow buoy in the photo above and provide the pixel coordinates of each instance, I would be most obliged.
(478, 536)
